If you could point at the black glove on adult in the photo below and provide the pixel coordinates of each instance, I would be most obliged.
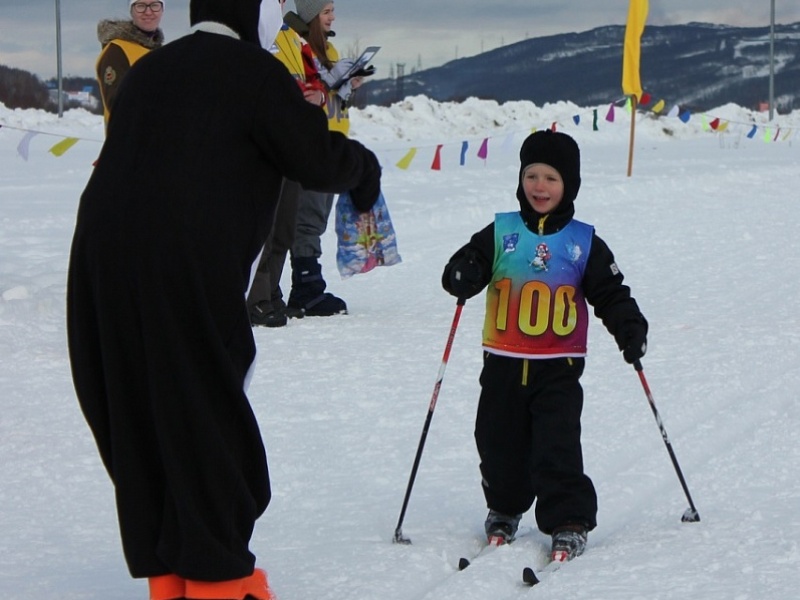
(365, 194)
(632, 340)
(365, 72)
(464, 276)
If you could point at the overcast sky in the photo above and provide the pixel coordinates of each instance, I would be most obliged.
(413, 32)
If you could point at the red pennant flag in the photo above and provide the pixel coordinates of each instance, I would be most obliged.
(645, 98)
(714, 124)
(437, 159)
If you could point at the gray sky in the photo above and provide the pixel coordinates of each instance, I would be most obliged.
(413, 32)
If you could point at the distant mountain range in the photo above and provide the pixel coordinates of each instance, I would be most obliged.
(697, 65)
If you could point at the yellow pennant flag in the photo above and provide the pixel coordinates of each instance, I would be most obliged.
(63, 146)
(637, 15)
(405, 162)
(659, 106)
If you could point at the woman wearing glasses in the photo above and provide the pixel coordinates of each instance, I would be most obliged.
(124, 42)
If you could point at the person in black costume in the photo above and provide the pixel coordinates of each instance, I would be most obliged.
(169, 225)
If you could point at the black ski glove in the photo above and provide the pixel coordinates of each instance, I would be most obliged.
(463, 276)
(365, 194)
(632, 340)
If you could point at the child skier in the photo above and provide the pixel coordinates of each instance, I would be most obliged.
(541, 267)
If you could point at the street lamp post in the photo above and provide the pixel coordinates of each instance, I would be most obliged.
(771, 59)
(58, 59)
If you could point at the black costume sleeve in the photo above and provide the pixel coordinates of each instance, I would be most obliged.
(294, 136)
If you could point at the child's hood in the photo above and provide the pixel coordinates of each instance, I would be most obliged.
(559, 151)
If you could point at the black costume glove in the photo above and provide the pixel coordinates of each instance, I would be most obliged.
(365, 194)
(632, 340)
(464, 276)
(365, 72)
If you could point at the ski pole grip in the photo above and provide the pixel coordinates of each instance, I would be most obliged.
(461, 301)
(637, 364)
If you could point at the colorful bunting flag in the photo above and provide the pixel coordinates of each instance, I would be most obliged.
(708, 122)
(404, 162)
(24, 143)
(62, 146)
(483, 151)
(437, 159)
(508, 143)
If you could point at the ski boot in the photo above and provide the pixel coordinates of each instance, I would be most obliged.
(569, 541)
(501, 529)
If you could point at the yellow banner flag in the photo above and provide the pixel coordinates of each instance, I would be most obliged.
(637, 15)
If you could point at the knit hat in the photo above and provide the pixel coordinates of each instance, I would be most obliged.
(557, 150)
(309, 9)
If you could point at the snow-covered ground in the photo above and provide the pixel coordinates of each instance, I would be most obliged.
(705, 231)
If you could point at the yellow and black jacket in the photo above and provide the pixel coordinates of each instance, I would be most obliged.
(123, 44)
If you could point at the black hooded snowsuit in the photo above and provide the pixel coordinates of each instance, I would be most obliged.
(174, 215)
(528, 426)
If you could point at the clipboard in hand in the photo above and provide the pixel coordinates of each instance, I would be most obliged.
(358, 65)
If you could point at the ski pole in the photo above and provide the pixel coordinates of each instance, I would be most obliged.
(690, 515)
(399, 538)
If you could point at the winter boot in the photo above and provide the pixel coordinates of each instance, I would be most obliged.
(264, 314)
(308, 296)
(569, 541)
(500, 528)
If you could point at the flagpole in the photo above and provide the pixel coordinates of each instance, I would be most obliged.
(58, 60)
(772, 60)
(631, 51)
(633, 134)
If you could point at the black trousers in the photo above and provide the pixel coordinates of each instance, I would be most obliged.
(267, 280)
(528, 433)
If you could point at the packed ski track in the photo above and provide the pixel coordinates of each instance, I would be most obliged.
(705, 231)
